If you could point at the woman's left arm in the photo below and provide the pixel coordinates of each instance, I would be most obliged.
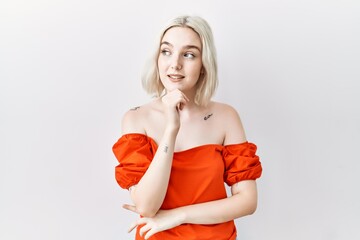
(243, 202)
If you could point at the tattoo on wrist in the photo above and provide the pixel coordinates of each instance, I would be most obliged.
(208, 116)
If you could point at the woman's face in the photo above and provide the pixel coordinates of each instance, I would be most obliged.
(179, 61)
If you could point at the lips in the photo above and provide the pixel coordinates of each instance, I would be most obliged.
(175, 77)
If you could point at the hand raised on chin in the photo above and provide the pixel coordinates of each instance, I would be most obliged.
(174, 101)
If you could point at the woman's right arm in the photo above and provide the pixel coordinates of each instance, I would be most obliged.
(148, 195)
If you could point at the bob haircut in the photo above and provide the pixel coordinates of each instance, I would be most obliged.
(208, 80)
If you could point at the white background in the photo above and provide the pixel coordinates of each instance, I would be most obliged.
(70, 69)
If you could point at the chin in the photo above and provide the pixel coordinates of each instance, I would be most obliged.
(173, 88)
(170, 87)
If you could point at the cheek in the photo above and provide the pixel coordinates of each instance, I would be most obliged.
(161, 66)
(158, 64)
(196, 69)
(162, 71)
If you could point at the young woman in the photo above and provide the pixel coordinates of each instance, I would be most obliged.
(177, 151)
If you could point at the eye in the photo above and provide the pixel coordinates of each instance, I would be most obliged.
(189, 55)
(165, 52)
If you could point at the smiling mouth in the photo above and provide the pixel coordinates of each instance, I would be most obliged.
(175, 77)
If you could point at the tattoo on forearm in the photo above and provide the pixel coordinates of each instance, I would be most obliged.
(208, 116)
(166, 148)
(135, 108)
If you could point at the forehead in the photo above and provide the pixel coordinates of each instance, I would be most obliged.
(181, 36)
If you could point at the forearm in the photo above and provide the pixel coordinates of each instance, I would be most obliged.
(219, 211)
(149, 193)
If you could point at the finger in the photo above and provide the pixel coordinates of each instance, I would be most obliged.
(138, 222)
(132, 226)
(150, 233)
(183, 101)
(144, 229)
(186, 98)
(130, 208)
(179, 106)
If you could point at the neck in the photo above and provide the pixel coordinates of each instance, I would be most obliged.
(190, 110)
(190, 95)
(191, 105)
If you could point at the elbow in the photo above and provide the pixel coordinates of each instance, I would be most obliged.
(247, 197)
(147, 211)
(252, 210)
(249, 205)
(144, 207)
(148, 214)
(252, 207)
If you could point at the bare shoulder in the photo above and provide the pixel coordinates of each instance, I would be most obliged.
(230, 119)
(225, 112)
(134, 119)
(225, 109)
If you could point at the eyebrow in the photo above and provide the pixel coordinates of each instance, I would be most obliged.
(186, 46)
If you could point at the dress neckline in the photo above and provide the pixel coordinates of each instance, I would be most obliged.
(185, 150)
(176, 152)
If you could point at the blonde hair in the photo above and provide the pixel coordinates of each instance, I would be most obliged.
(208, 81)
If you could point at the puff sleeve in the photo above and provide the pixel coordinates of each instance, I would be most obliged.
(134, 153)
(241, 163)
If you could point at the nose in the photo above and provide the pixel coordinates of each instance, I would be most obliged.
(176, 63)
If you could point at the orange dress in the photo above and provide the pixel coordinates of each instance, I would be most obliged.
(197, 175)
